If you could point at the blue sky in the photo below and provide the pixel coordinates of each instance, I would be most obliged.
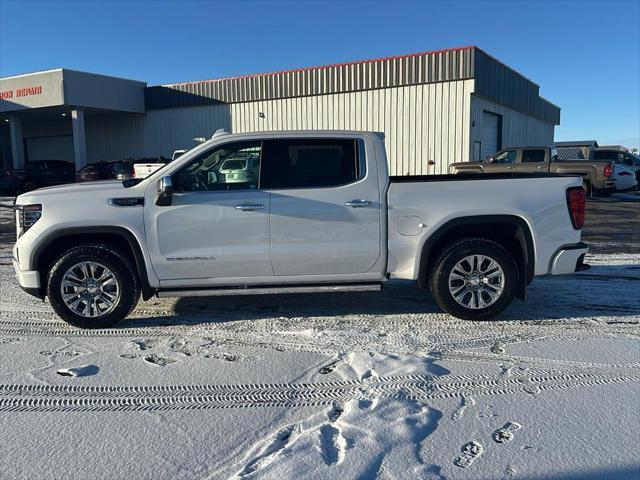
(585, 55)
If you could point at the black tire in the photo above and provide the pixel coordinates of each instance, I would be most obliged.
(586, 184)
(112, 259)
(447, 260)
(29, 185)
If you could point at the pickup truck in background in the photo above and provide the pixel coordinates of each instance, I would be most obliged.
(597, 176)
(313, 211)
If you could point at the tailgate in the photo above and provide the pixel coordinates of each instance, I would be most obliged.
(143, 170)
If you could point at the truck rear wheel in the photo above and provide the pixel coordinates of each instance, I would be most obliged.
(93, 286)
(474, 279)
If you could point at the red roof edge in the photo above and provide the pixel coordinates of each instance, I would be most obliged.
(342, 64)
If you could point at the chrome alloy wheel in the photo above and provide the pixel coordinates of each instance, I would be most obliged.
(476, 281)
(90, 289)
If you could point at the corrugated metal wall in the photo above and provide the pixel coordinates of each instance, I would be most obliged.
(159, 132)
(518, 129)
(404, 70)
(420, 122)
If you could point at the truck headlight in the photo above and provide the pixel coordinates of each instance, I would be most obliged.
(27, 216)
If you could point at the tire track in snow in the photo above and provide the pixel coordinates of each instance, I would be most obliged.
(62, 398)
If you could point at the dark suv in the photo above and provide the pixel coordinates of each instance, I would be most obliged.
(37, 174)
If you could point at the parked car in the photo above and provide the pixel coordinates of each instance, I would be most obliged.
(37, 174)
(597, 176)
(625, 178)
(118, 170)
(115, 170)
(143, 167)
(620, 157)
(322, 216)
(240, 170)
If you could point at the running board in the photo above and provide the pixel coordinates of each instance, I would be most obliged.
(269, 290)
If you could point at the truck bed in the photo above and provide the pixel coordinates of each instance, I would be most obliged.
(447, 177)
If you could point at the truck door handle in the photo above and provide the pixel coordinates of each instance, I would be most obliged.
(358, 203)
(249, 207)
(540, 167)
(509, 167)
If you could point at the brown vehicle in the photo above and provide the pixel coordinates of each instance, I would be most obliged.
(597, 175)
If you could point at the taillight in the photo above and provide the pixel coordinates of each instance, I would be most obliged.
(608, 170)
(576, 201)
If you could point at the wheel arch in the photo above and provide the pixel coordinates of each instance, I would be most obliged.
(510, 231)
(52, 247)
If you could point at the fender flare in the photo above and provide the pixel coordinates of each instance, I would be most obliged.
(523, 236)
(140, 265)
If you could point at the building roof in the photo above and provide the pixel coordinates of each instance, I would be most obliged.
(577, 143)
(493, 80)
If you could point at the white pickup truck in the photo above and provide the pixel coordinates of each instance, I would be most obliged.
(308, 211)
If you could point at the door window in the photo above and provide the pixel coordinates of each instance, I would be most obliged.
(311, 163)
(233, 166)
(508, 156)
(531, 156)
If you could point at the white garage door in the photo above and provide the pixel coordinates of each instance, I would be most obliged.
(490, 126)
(50, 148)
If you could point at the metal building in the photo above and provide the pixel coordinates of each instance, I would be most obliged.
(435, 108)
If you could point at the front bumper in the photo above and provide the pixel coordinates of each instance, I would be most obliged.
(569, 259)
(29, 281)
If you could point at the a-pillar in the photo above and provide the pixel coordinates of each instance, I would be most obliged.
(17, 143)
(79, 138)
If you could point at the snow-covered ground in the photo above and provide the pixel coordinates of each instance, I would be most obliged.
(379, 385)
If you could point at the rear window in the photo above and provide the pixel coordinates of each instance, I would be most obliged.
(234, 165)
(604, 155)
(309, 163)
(121, 168)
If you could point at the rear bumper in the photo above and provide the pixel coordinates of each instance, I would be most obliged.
(569, 259)
(29, 281)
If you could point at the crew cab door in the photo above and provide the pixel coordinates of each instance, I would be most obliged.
(503, 161)
(325, 206)
(533, 160)
(217, 225)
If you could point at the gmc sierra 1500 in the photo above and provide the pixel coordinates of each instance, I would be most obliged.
(298, 212)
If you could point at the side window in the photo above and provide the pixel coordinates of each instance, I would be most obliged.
(628, 159)
(309, 163)
(508, 156)
(530, 156)
(234, 166)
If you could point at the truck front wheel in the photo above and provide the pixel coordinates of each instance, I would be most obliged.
(474, 279)
(93, 286)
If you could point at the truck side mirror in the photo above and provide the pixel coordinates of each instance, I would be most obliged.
(165, 191)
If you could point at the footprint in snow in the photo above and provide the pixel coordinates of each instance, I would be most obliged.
(144, 344)
(470, 452)
(158, 360)
(269, 454)
(505, 434)
(367, 404)
(82, 371)
(329, 368)
(332, 444)
(498, 347)
(336, 411)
